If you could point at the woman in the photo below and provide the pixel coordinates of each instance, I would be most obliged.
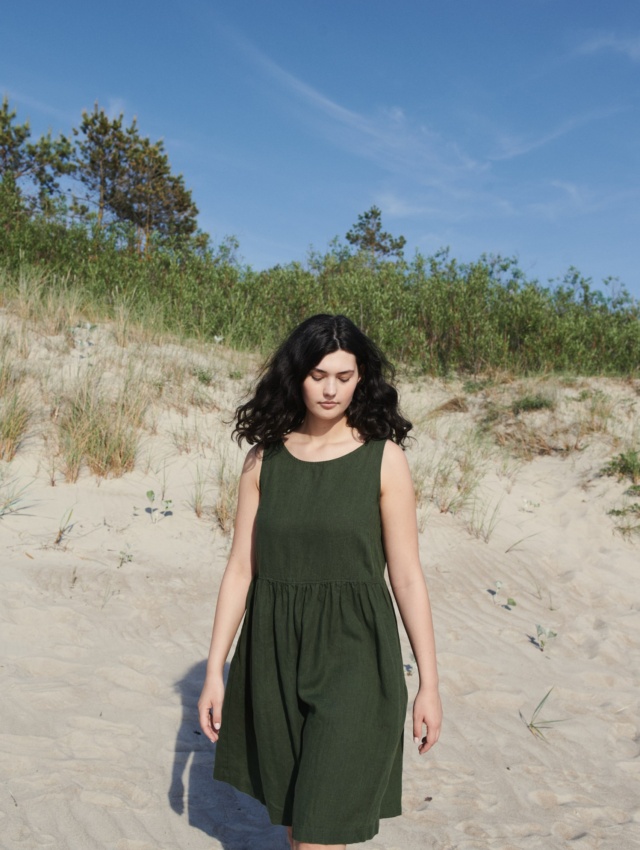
(313, 716)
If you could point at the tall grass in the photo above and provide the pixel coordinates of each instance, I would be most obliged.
(99, 430)
(433, 313)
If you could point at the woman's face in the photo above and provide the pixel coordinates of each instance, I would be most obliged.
(329, 387)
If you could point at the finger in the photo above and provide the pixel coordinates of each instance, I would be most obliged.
(429, 740)
(206, 722)
(417, 729)
(216, 719)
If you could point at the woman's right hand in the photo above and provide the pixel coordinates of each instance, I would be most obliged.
(210, 707)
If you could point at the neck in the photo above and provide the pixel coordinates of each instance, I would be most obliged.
(326, 431)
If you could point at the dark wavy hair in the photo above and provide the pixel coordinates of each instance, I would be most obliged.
(277, 407)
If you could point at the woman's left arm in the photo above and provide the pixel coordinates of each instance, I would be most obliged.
(400, 538)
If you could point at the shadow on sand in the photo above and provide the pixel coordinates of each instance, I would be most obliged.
(234, 819)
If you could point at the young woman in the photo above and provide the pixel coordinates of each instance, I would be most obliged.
(312, 720)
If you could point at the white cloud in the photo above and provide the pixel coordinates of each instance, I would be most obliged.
(629, 46)
(431, 177)
(387, 137)
(513, 146)
(116, 106)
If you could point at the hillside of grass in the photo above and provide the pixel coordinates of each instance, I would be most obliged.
(434, 315)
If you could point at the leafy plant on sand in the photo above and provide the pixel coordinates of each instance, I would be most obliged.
(543, 636)
(624, 465)
(508, 604)
(536, 725)
(156, 513)
(528, 403)
(629, 515)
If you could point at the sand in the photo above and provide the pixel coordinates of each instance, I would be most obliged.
(104, 634)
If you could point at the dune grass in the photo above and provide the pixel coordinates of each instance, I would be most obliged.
(97, 429)
(433, 313)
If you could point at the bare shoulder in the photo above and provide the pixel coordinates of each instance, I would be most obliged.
(253, 463)
(395, 468)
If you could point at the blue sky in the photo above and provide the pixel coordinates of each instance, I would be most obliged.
(489, 126)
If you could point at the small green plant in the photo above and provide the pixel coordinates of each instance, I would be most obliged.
(527, 403)
(125, 556)
(156, 513)
(529, 506)
(476, 385)
(629, 510)
(10, 497)
(534, 725)
(65, 527)
(543, 636)
(624, 465)
(204, 376)
(634, 490)
(510, 601)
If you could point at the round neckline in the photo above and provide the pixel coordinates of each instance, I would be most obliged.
(328, 460)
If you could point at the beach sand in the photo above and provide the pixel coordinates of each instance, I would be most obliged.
(105, 633)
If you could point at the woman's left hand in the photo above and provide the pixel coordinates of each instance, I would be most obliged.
(427, 713)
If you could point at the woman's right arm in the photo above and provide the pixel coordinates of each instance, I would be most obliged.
(232, 596)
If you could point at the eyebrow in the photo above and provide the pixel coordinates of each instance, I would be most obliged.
(344, 371)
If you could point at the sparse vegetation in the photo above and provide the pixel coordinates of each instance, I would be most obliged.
(509, 602)
(11, 495)
(156, 513)
(98, 430)
(527, 403)
(535, 724)
(624, 465)
(64, 528)
(15, 413)
(228, 481)
(543, 636)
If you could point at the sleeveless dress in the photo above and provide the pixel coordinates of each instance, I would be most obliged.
(315, 703)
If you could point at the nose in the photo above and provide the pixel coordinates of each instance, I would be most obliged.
(329, 389)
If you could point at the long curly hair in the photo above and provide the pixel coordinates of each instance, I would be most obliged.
(277, 407)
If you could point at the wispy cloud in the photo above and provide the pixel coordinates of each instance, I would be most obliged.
(387, 137)
(510, 146)
(629, 46)
(428, 176)
(116, 106)
(23, 100)
(568, 199)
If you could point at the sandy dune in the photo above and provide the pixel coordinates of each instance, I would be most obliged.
(104, 634)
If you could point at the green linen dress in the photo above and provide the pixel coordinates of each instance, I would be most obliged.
(314, 709)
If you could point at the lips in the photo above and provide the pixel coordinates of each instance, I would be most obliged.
(328, 404)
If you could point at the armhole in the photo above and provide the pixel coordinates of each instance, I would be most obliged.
(266, 454)
(383, 444)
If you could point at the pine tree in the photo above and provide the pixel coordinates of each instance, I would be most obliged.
(30, 171)
(367, 236)
(128, 178)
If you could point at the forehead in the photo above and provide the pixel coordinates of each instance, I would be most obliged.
(336, 362)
